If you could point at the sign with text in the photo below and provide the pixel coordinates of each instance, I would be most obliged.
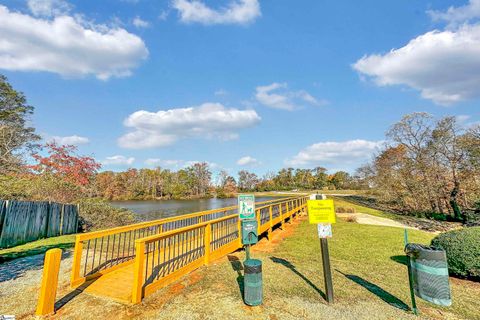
(324, 230)
(321, 211)
(246, 206)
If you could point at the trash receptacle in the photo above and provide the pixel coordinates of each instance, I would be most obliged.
(429, 270)
(253, 291)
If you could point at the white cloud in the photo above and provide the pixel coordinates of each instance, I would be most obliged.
(248, 161)
(345, 155)
(163, 163)
(461, 118)
(277, 95)
(221, 92)
(139, 23)
(443, 65)
(163, 15)
(163, 128)
(455, 16)
(176, 164)
(48, 8)
(70, 140)
(235, 12)
(118, 160)
(69, 46)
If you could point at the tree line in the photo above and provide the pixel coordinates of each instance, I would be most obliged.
(429, 165)
(63, 175)
(197, 181)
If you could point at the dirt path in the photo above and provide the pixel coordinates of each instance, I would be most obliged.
(364, 218)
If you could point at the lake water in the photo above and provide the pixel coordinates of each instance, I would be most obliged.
(150, 209)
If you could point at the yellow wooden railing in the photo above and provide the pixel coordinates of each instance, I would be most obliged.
(100, 252)
(163, 258)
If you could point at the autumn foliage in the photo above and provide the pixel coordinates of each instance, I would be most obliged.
(63, 162)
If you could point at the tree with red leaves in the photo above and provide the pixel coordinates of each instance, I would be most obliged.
(63, 162)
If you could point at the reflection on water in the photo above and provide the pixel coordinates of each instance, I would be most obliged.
(150, 209)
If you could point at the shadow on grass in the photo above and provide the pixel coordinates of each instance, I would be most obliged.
(379, 292)
(290, 266)
(237, 266)
(18, 267)
(33, 251)
(400, 259)
(71, 295)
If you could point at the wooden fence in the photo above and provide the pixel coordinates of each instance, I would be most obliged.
(25, 221)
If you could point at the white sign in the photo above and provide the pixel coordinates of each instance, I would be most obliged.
(324, 230)
(246, 206)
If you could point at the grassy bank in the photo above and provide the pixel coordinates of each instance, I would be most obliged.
(36, 247)
(369, 274)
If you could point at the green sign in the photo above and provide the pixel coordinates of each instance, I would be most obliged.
(246, 206)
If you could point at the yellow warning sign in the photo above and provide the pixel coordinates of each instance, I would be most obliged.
(321, 211)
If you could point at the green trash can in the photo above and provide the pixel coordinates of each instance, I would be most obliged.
(429, 270)
(252, 281)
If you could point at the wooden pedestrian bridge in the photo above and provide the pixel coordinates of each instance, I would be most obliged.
(129, 263)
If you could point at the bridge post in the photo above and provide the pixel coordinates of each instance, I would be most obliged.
(138, 276)
(208, 237)
(281, 215)
(270, 229)
(48, 290)
(75, 279)
(239, 227)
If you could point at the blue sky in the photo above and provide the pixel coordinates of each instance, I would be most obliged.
(241, 84)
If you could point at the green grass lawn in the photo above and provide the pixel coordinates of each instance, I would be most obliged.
(36, 247)
(367, 263)
(369, 274)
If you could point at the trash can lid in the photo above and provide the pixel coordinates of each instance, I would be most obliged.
(251, 266)
(420, 251)
(252, 262)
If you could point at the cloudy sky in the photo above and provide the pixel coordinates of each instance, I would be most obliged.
(240, 84)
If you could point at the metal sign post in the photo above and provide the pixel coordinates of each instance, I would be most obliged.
(410, 277)
(327, 273)
(322, 212)
(246, 213)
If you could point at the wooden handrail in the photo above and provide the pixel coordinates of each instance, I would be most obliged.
(152, 231)
(106, 232)
(140, 287)
(167, 234)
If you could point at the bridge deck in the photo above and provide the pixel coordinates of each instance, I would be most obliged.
(116, 285)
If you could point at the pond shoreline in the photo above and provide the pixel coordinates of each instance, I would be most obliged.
(146, 210)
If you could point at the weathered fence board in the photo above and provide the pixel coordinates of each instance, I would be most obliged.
(3, 203)
(25, 221)
(54, 219)
(70, 219)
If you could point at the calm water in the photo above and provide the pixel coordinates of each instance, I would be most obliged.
(151, 209)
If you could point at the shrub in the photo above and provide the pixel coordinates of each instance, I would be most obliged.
(472, 218)
(99, 214)
(463, 251)
(344, 210)
(351, 219)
